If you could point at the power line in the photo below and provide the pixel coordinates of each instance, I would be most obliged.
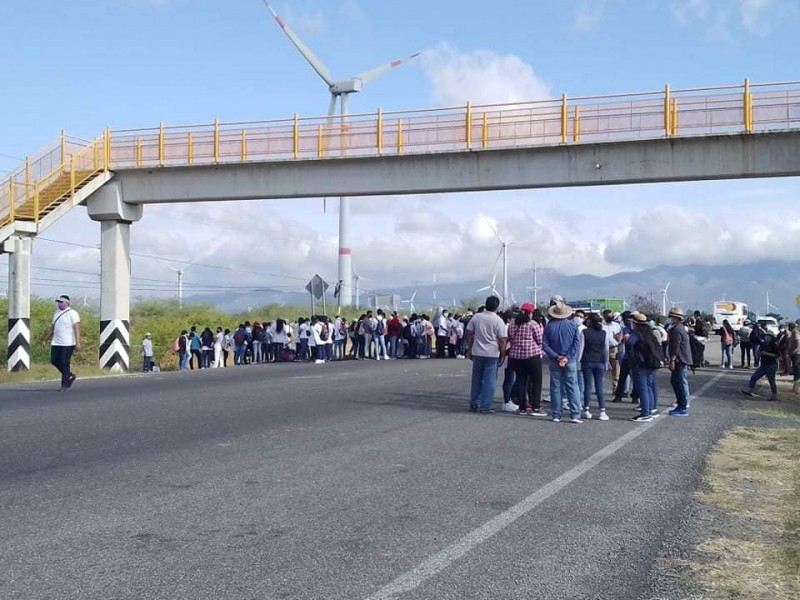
(175, 260)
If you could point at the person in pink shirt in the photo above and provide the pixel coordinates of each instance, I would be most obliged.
(525, 358)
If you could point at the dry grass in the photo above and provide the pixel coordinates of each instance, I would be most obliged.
(754, 476)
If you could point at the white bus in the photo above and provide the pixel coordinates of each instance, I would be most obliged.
(735, 313)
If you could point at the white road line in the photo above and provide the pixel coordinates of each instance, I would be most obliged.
(441, 560)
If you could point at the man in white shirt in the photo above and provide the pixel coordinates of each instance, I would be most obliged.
(487, 336)
(614, 333)
(147, 353)
(65, 336)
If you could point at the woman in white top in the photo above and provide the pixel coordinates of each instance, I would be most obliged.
(219, 338)
(279, 336)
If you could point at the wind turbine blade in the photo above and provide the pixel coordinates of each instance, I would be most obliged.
(484, 288)
(494, 231)
(312, 58)
(368, 76)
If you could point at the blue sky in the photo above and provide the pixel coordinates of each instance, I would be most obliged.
(130, 63)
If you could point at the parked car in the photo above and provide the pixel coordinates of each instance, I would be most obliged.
(768, 324)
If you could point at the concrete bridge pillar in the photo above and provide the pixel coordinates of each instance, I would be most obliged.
(115, 217)
(18, 248)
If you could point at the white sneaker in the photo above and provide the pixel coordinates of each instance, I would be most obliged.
(603, 416)
(587, 414)
(318, 362)
(510, 407)
(377, 358)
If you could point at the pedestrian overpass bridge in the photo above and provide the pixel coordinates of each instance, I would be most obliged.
(738, 131)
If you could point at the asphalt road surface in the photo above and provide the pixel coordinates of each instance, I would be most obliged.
(356, 480)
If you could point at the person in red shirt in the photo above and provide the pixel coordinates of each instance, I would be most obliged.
(394, 329)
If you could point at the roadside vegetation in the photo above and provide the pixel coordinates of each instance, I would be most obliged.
(753, 478)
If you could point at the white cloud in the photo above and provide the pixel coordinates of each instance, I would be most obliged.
(588, 16)
(690, 11)
(756, 17)
(480, 76)
(678, 236)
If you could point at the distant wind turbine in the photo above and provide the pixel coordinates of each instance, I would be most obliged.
(664, 299)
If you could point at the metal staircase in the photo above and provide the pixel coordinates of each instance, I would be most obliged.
(50, 183)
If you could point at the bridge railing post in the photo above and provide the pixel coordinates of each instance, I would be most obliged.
(485, 131)
(674, 116)
(107, 149)
(380, 132)
(747, 112)
(161, 144)
(399, 136)
(216, 141)
(296, 136)
(667, 112)
(468, 126)
(564, 118)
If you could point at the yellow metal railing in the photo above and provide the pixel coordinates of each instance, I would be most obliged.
(51, 176)
(745, 108)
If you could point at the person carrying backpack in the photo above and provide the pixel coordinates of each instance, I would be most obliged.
(379, 336)
(646, 355)
(239, 345)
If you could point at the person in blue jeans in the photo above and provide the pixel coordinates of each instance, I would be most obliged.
(646, 355)
(487, 336)
(594, 364)
(768, 367)
(680, 358)
(560, 344)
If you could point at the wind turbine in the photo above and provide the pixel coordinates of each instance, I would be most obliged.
(491, 287)
(504, 245)
(410, 302)
(664, 299)
(182, 270)
(535, 288)
(340, 91)
(770, 305)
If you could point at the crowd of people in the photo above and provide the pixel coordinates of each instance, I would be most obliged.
(590, 355)
(320, 339)
(580, 350)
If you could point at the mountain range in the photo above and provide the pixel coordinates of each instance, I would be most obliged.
(691, 287)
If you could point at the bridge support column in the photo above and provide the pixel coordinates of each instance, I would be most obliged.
(19, 302)
(115, 216)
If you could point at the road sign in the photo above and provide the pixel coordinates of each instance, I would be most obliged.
(317, 287)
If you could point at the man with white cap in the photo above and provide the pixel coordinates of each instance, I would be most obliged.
(65, 336)
(147, 353)
(561, 342)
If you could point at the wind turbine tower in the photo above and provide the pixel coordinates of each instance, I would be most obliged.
(664, 299)
(340, 91)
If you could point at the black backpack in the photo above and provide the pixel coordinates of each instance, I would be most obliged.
(649, 351)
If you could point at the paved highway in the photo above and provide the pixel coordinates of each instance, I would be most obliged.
(357, 480)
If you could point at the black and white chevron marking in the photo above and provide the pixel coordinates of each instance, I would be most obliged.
(115, 348)
(19, 344)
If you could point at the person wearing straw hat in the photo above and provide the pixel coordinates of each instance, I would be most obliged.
(680, 358)
(560, 343)
(646, 357)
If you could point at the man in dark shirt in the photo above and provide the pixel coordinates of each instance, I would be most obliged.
(680, 357)
(768, 367)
